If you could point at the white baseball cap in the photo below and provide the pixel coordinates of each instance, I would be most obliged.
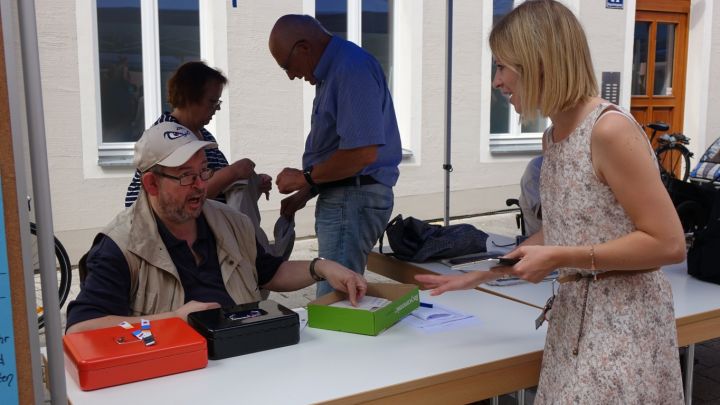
(167, 144)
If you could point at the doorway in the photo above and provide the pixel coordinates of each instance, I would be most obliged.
(659, 62)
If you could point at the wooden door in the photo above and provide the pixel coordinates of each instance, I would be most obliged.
(659, 63)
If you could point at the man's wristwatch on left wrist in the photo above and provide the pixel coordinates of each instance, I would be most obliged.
(308, 176)
(313, 273)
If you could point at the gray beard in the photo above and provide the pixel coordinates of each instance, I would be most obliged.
(173, 211)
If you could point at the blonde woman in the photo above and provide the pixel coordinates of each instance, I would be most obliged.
(608, 223)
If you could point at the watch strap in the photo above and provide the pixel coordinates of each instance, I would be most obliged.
(314, 274)
(308, 176)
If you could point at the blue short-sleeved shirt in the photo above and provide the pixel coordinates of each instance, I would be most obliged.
(353, 108)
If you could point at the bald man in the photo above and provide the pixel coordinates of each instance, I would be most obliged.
(353, 150)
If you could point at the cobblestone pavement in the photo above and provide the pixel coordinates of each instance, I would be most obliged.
(706, 384)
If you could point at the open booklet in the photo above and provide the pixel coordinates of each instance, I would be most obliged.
(433, 316)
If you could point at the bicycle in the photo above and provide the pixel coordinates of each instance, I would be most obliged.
(672, 155)
(64, 273)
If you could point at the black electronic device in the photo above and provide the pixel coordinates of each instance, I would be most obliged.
(508, 261)
(472, 258)
(246, 328)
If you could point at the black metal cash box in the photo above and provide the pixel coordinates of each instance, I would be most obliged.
(246, 328)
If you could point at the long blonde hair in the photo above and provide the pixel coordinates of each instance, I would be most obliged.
(545, 44)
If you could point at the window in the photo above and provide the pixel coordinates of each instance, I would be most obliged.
(507, 133)
(376, 23)
(139, 45)
(333, 16)
(366, 23)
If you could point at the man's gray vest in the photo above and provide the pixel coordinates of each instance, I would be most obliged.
(155, 283)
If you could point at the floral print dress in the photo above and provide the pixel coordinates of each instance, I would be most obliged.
(627, 344)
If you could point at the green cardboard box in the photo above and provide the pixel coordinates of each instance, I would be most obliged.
(405, 299)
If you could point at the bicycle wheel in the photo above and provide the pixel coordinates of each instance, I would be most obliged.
(62, 264)
(674, 161)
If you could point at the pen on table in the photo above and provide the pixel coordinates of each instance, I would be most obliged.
(426, 305)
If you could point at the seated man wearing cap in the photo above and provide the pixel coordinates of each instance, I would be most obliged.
(173, 252)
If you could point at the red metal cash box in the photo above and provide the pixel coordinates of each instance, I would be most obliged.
(112, 356)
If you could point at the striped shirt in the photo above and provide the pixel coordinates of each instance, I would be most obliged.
(216, 161)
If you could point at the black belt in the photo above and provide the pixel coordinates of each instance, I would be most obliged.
(362, 180)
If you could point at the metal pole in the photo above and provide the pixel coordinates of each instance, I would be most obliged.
(9, 16)
(689, 365)
(447, 166)
(41, 192)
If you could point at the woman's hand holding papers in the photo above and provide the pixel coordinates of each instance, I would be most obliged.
(444, 283)
(536, 262)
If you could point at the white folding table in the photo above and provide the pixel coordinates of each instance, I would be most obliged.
(497, 352)
(697, 303)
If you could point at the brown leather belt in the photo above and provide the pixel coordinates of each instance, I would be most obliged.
(594, 277)
(602, 275)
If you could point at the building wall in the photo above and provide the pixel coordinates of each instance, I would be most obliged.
(701, 99)
(267, 116)
(712, 130)
(264, 118)
(607, 46)
(81, 203)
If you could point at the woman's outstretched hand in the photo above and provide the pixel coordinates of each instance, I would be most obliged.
(443, 283)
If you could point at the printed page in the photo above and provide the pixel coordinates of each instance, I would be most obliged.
(368, 303)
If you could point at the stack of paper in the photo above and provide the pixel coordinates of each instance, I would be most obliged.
(434, 317)
(367, 303)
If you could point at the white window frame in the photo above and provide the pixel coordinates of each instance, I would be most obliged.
(101, 158)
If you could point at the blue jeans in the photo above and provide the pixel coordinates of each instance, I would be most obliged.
(348, 222)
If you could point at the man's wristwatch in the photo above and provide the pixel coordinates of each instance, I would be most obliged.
(313, 274)
(307, 173)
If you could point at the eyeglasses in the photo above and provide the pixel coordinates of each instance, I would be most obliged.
(285, 65)
(188, 179)
(216, 103)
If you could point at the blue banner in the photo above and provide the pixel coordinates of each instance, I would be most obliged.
(8, 370)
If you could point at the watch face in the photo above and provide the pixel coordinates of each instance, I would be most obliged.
(308, 177)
